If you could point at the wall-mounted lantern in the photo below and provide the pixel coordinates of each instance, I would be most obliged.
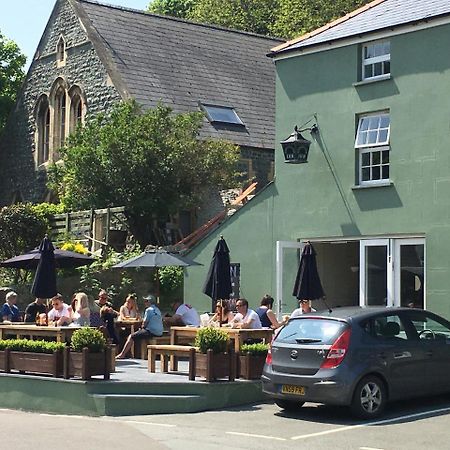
(296, 147)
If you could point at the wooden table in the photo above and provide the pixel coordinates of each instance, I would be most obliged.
(19, 330)
(132, 325)
(238, 335)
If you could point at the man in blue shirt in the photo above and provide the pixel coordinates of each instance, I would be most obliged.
(9, 310)
(152, 325)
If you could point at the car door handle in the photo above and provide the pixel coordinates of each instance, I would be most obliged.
(429, 353)
(400, 355)
(382, 355)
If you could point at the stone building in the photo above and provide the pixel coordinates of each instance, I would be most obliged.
(93, 55)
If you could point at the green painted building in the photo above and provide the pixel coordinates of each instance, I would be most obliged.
(374, 195)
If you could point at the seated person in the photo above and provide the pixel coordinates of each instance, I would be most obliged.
(266, 315)
(10, 311)
(304, 308)
(60, 314)
(245, 318)
(33, 309)
(81, 312)
(184, 315)
(129, 309)
(152, 325)
(223, 313)
(108, 315)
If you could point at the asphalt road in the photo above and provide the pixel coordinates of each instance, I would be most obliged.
(420, 425)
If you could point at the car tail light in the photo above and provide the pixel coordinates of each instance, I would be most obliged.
(338, 350)
(269, 353)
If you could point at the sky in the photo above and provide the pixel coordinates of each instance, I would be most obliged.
(24, 21)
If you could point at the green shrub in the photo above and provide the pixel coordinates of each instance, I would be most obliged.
(88, 338)
(26, 345)
(211, 338)
(254, 349)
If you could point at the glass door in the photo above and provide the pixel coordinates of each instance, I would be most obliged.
(375, 276)
(409, 270)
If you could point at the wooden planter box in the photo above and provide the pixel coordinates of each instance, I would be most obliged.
(251, 366)
(41, 363)
(85, 364)
(212, 366)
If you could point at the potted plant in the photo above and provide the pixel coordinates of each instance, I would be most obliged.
(89, 355)
(25, 355)
(212, 360)
(251, 360)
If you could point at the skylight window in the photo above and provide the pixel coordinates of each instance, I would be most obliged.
(221, 114)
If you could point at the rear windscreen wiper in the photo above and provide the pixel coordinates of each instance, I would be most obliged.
(307, 340)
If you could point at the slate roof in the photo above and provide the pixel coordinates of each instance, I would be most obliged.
(375, 16)
(182, 63)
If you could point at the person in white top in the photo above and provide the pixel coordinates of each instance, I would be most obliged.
(304, 308)
(60, 314)
(245, 318)
(184, 315)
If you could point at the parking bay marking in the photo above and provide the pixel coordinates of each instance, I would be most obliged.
(260, 436)
(368, 424)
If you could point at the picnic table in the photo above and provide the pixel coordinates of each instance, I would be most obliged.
(130, 325)
(20, 330)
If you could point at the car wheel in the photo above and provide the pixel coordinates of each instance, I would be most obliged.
(289, 405)
(369, 398)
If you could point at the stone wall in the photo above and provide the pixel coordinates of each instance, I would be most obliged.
(83, 68)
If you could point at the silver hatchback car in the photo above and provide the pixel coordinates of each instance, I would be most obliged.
(360, 357)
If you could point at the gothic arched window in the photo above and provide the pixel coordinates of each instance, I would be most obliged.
(61, 52)
(77, 107)
(60, 117)
(43, 131)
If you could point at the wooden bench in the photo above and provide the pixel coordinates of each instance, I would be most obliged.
(166, 351)
(145, 342)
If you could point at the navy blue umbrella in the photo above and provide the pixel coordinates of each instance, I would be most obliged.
(307, 283)
(218, 281)
(44, 283)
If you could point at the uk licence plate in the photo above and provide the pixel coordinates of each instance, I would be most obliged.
(290, 389)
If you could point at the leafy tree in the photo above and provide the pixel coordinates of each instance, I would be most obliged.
(153, 163)
(296, 17)
(174, 8)
(248, 15)
(285, 18)
(12, 62)
(21, 229)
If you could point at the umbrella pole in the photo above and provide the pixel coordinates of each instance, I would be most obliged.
(157, 285)
(221, 313)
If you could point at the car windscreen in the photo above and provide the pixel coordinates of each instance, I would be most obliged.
(311, 331)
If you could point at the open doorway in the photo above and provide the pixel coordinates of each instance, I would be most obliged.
(338, 266)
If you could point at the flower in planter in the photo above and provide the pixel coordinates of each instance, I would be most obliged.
(211, 338)
(88, 338)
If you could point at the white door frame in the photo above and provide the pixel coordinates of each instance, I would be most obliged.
(397, 271)
(363, 244)
(281, 245)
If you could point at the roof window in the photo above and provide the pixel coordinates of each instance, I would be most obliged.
(221, 114)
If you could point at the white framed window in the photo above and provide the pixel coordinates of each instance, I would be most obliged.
(376, 60)
(372, 141)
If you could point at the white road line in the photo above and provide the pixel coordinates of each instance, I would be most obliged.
(260, 436)
(110, 419)
(368, 424)
(370, 448)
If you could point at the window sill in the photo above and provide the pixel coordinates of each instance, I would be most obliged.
(373, 80)
(374, 185)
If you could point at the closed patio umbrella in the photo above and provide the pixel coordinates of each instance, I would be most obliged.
(307, 283)
(44, 283)
(218, 281)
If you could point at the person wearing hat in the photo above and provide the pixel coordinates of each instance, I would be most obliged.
(10, 311)
(152, 325)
